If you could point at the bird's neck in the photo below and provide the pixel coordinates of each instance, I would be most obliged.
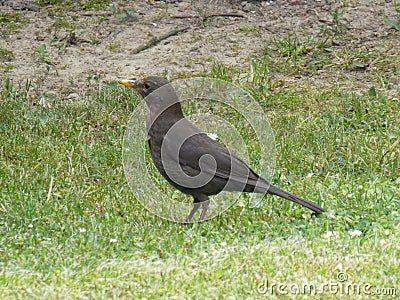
(173, 112)
(163, 121)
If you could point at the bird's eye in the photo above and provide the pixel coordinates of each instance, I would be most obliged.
(146, 86)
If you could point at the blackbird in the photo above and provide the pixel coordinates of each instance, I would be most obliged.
(191, 161)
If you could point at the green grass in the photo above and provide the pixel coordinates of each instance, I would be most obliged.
(86, 4)
(70, 227)
(12, 21)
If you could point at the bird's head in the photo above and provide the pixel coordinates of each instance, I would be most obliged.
(159, 95)
(146, 85)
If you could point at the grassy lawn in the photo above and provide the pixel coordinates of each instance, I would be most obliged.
(70, 227)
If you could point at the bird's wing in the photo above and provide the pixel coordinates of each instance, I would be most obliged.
(228, 165)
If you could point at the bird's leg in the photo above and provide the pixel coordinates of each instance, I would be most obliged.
(205, 205)
(202, 200)
(196, 206)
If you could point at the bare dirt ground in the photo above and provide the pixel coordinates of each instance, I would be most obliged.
(63, 52)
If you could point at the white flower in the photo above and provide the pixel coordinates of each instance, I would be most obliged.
(30, 225)
(82, 230)
(212, 136)
(327, 234)
(112, 240)
(354, 233)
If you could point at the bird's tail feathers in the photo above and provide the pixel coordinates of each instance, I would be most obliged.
(281, 193)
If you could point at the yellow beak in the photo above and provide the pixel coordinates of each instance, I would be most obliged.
(127, 82)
